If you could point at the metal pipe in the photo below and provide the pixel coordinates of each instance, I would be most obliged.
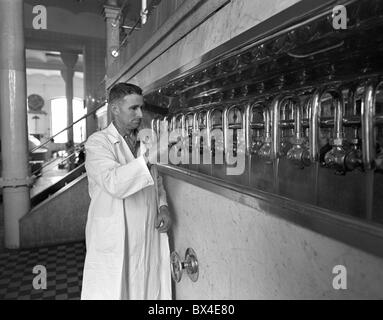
(225, 127)
(267, 118)
(248, 136)
(275, 115)
(155, 126)
(368, 114)
(14, 132)
(338, 126)
(298, 153)
(183, 127)
(266, 148)
(195, 132)
(314, 125)
(208, 128)
(195, 122)
(297, 122)
(336, 158)
(172, 123)
(158, 123)
(242, 139)
(189, 127)
(165, 125)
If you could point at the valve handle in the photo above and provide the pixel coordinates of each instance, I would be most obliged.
(190, 264)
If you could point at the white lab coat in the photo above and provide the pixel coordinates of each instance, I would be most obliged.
(126, 258)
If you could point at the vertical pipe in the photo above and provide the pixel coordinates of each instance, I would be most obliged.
(314, 126)
(196, 140)
(338, 126)
(208, 128)
(14, 132)
(368, 144)
(267, 123)
(298, 121)
(158, 129)
(225, 127)
(243, 132)
(247, 120)
(275, 115)
(195, 122)
(153, 127)
(183, 126)
(368, 113)
(172, 126)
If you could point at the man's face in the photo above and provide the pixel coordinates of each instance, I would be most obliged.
(129, 111)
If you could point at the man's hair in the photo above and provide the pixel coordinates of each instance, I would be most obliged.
(122, 89)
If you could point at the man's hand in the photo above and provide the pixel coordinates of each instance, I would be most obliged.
(152, 154)
(163, 220)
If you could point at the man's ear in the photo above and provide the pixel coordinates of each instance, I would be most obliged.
(115, 109)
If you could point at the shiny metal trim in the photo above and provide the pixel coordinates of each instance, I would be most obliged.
(363, 235)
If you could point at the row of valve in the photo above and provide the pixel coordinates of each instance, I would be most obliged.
(338, 126)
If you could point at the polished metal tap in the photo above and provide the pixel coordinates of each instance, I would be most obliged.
(335, 158)
(254, 126)
(234, 119)
(354, 158)
(286, 114)
(266, 150)
(190, 129)
(299, 154)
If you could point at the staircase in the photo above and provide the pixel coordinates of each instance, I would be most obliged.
(58, 210)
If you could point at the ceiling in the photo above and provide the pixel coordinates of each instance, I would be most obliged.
(75, 6)
(42, 59)
(131, 7)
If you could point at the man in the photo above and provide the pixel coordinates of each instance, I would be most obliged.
(127, 244)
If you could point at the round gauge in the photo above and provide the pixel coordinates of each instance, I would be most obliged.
(35, 102)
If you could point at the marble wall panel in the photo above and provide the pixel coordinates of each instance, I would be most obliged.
(247, 253)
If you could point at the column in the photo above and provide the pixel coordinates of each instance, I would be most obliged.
(67, 73)
(112, 19)
(94, 73)
(14, 132)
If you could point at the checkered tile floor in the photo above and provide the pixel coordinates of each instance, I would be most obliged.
(64, 266)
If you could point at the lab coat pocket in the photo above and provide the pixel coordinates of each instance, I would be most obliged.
(106, 233)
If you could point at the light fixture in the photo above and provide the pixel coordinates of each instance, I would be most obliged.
(114, 52)
(144, 12)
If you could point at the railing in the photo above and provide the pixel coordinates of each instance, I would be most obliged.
(73, 150)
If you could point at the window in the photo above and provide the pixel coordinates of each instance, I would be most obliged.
(59, 120)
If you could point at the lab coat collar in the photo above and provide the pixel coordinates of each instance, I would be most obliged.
(115, 137)
(112, 133)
